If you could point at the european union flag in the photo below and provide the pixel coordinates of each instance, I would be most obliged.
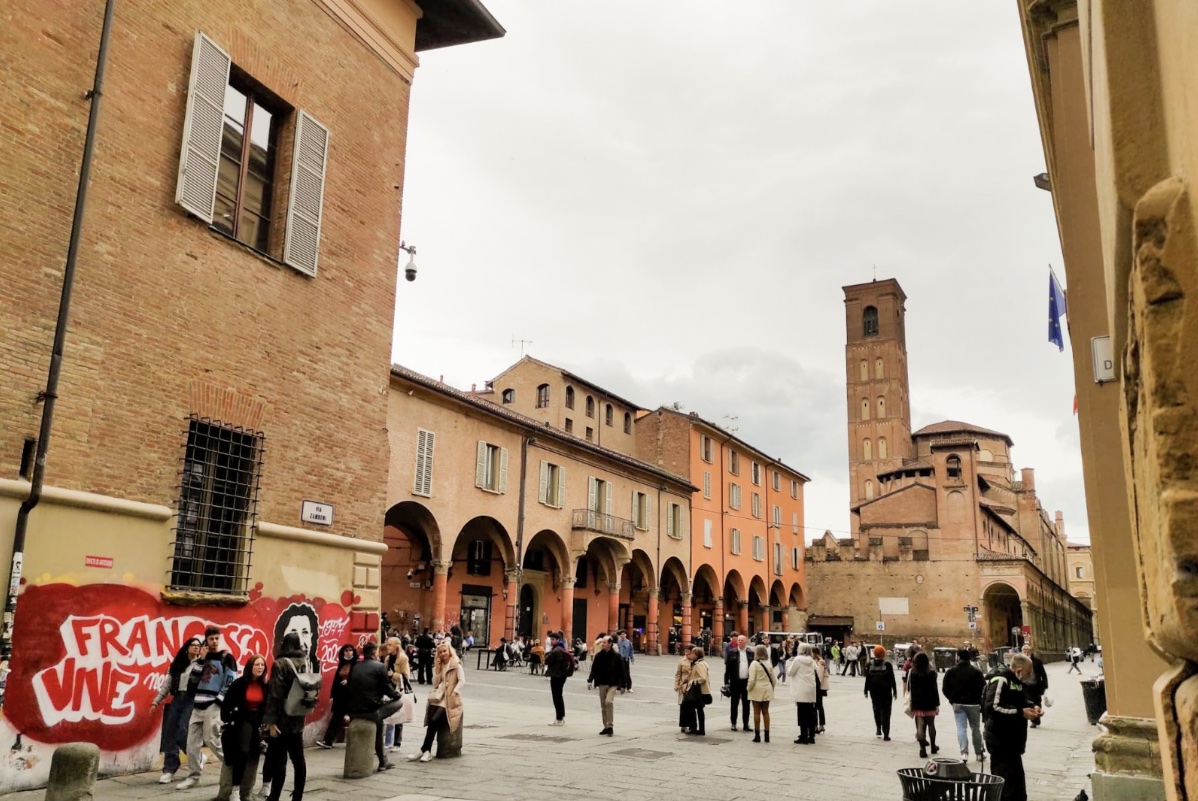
(1056, 307)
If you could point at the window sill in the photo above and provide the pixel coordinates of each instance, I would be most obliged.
(203, 598)
(266, 257)
(543, 503)
(490, 491)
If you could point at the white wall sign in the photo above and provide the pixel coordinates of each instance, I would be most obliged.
(315, 512)
(1104, 359)
(893, 606)
(880, 626)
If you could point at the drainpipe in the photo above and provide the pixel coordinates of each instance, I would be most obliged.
(524, 443)
(49, 395)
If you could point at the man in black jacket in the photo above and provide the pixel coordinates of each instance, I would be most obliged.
(1007, 711)
(559, 664)
(425, 645)
(881, 689)
(963, 686)
(736, 678)
(609, 675)
(1037, 683)
(373, 696)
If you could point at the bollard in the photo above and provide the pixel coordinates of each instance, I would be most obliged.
(359, 748)
(449, 742)
(73, 771)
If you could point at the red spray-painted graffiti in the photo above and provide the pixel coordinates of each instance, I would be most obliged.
(88, 660)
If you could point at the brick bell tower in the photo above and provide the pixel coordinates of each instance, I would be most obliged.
(877, 387)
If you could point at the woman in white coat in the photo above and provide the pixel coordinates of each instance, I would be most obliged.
(801, 680)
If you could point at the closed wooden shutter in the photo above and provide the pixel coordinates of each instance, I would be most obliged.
(301, 244)
(560, 500)
(543, 492)
(670, 519)
(480, 466)
(707, 533)
(203, 125)
(425, 442)
(607, 500)
(503, 470)
(706, 483)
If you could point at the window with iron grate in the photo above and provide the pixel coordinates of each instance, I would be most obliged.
(218, 502)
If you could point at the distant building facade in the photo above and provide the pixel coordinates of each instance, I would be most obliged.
(1081, 580)
(947, 545)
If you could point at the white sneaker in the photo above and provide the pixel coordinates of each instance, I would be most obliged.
(235, 795)
(426, 756)
(415, 756)
(203, 760)
(166, 778)
(188, 783)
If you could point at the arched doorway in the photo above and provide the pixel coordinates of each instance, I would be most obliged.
(544, 570)
(779, 614)
(757, 596)
(675, 607)
(413, 541)
(736, 604)
(638, 592)
(527, 612)
(480, 581)
(1003, 615)
(597, 580)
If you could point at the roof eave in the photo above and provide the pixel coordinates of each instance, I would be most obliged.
(445, 23)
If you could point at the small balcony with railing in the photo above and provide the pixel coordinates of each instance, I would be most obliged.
(600, 523)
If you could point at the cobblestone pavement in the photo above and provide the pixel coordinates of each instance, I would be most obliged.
(511, 752)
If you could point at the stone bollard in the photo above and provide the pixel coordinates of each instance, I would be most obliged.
(359, 748)
(449, 742)
(73, 771)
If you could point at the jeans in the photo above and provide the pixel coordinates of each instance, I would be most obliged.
(174, 733)
(201, 731)
(607, 703)
(969, 718)
(277, 752)
(557, 685)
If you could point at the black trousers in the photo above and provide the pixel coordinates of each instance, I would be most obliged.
(336, 722)
(691, 716)
(424, 671)
(385, 711)
(819, 707)
(1010, 768)
(278, 751)
(882, 703)
(557, 685)
(740, 695)
(806, 714)
(436, 720)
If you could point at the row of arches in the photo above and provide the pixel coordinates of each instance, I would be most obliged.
(881, 407)
(484, 581)
(867, 449)
(879, 369)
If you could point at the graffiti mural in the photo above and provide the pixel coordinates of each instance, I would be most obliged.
(90, 658)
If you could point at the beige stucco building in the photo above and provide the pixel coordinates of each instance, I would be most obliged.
(1114, 84)
(952, 544)
(1081, 581)
(229, 334)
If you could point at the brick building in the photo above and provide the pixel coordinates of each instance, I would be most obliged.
(1081, 580)
(219, 448)
(951, 545)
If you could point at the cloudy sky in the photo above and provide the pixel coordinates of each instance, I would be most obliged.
(667, 197)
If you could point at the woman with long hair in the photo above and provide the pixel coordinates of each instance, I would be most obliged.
(925, 702)
(285, 732)
(347, 657)
(242, 712)
(682, 678)
(178, 712)
(821, 692)
(700, 678)
(444, 710)
(800, 677)
(761, 690)
(399, 668)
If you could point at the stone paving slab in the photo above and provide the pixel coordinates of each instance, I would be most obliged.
(511, 752)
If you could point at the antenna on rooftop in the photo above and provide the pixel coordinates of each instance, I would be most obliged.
(732, 418)
(522, 342)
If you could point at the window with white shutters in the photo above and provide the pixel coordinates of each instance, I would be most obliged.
(301, 244)
(203, 124)
(734, 496)
(707, 484)
(733, 462)
(674, 521)
(706, 448)
(758, 549)
(778, 516)
(425, 442)
(777, 479)
(794, 558)
(552, 485)
(490, 469)
(794, 489)
(640, 510)
(756, 471)
(777, 558)
(734, 541)
(756, 504)
(794, 522)
(706, 533)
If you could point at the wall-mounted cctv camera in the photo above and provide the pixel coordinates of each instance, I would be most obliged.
(411, 573)
(409, 272)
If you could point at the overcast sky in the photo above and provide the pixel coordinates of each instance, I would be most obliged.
(666, 197)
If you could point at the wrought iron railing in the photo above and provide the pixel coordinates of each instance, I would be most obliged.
(588, 520)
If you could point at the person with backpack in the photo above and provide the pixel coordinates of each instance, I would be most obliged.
(207, 683)
(882, 690)
(560, 665)
(291, 696)
(178, 711)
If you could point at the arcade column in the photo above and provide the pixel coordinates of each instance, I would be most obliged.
(717, 622)
(440, 590)
(568, 608)
(511, 600)
(686, 619)
(613, 608)
(652, 633)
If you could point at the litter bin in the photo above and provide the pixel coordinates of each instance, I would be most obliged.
(1094, 694)
(919, 786)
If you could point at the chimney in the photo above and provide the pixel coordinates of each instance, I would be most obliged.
(1060, 520)
(474, 389)
(1029, 479)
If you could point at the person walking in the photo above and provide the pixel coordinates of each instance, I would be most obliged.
(837, 654)
(852, 659)
(424, 657)
(285, 728)
(800, 678)
(821, 690)
(607, 676)
(881, 688)
(1036, 685)
(736, 678)
(626, 653)
(372, 695)
(1075, 660)
(760, 690)
(178, 711)
(963, 687)
(699, 684)
(207, 683)
(445, 707)
(242, 712)
(925, 702)
(559, 666)
(399, 670)
(682, 680)
(347, 657)
(1007, 711)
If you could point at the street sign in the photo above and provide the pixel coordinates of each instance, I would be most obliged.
(316, 512)
(880, 626)
(973, 625)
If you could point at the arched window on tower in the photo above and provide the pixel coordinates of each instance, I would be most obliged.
(869, 490)
(569, 397)
(878, 371)
(864, 370)
(869, 321)
(953, 463)
(590, 409)
(865, 408)
(881, 407)
(882, 448)
(867, 450)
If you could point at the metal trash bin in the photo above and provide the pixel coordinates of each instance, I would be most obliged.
(1094, 694)
(918, 786)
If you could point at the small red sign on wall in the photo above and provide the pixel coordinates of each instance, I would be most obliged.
(98, 561)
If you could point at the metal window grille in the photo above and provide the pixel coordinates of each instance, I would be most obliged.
(218, 503)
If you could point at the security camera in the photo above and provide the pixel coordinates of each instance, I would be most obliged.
(410, 271)
(411, 573)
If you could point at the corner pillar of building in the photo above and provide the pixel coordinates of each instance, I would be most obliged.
(717, 622)
(652, 629)
(440, 593)
(1127, 760)
(613, 607)
(686, 619)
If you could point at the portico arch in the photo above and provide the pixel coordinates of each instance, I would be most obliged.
(1002, 614)
(413, 540)
(675, 603)
(757, 606)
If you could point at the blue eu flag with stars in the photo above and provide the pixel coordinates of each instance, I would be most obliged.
(1056, 307)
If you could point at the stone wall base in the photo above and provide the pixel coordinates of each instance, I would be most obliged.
(1115, 787)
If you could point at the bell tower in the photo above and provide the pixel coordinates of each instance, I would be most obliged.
(879, 418)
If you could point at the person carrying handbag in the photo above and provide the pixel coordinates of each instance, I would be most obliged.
(697, 693)
(242, 713)
(682, 687)
(761, 690)
(444, 710)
